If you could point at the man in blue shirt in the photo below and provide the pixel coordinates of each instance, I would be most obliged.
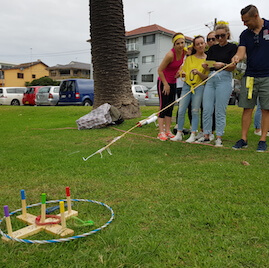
(254, 44)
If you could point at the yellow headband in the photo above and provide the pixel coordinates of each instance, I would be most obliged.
(178, 37)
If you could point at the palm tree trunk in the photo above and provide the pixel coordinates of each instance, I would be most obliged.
(109, 57)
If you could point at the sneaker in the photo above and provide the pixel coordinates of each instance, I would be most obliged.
(162, 136)
(262, 146)
(169, 135)
(178, 137)
(240, 144)
(203, 140)
(211, 137)
(192, 138)
(199, 135)
(218, 142)
(259, 133)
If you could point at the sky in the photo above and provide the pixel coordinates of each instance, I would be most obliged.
(55, 31)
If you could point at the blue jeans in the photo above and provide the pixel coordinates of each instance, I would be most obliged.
(196, 100)
(258, 116)
(217, 93)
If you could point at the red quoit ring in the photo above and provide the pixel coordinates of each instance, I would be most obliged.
(37, 220)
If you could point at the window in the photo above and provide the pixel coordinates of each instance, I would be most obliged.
(134, 79)
(148, 59)
(11, 90)
(20, 75)
(64, 72)
(20, 90)
(132, 44)
(53, 73)
(33, 76)
(149, 39)
(147, 77)
(68, 86)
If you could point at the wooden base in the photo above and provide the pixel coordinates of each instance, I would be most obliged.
(54, 229)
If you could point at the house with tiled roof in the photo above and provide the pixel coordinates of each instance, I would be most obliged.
(18, 75)
(146, 48)
(72, 70)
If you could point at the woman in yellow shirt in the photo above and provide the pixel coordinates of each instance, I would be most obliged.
(194, 74)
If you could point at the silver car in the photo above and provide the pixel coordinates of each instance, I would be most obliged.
(152, 98)
(139, 92)
(47, 95)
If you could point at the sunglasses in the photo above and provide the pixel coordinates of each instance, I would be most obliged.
(210, 39)
(218, 36)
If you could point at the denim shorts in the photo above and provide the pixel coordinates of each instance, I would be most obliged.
(260, 89)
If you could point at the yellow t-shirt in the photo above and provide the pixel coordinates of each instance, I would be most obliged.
(192, 62)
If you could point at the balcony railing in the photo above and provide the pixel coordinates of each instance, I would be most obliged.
(133, 66)
(133, 47)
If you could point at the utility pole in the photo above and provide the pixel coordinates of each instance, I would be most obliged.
(215, 23)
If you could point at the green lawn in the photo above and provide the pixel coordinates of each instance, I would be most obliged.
(175, 204)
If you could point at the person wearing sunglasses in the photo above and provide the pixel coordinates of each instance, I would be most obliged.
(211, 39)
(219, 88)
(254, 43)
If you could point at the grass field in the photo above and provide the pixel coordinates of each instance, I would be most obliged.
(175, 204)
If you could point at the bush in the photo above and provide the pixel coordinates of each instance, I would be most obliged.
(43, 81)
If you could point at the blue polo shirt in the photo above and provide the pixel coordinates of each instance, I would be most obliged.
(257, 49)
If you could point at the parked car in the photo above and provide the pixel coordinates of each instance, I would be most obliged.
(234, 98)
(152, 98)
(11, 95)
(139, 92)
(47, 95)
(76, 92)
(30, 95)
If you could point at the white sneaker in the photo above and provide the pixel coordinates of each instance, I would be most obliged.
(199, 135)
(201, 139)
(192, 138)
(211, 137)
(218, 142)
(259, 133)
(178, 137)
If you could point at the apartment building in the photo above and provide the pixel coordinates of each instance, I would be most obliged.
(146, 48)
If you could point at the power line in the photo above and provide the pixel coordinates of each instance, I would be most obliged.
(50, 54)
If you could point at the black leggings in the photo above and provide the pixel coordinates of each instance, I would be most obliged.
(166, 99)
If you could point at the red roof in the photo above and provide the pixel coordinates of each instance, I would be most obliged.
(151, 29)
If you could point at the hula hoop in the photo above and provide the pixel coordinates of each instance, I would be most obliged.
(60, 239)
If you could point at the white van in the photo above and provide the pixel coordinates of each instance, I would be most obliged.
(11, 95)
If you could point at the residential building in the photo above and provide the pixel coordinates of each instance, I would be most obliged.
(72, 70)
(18, 75)
(2, 66)
(146, 48)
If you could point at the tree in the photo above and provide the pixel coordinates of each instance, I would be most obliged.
(112, 82)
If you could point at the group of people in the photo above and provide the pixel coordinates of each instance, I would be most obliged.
(206, 69)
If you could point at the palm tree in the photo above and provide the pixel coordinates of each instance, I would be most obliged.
(109, 57)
